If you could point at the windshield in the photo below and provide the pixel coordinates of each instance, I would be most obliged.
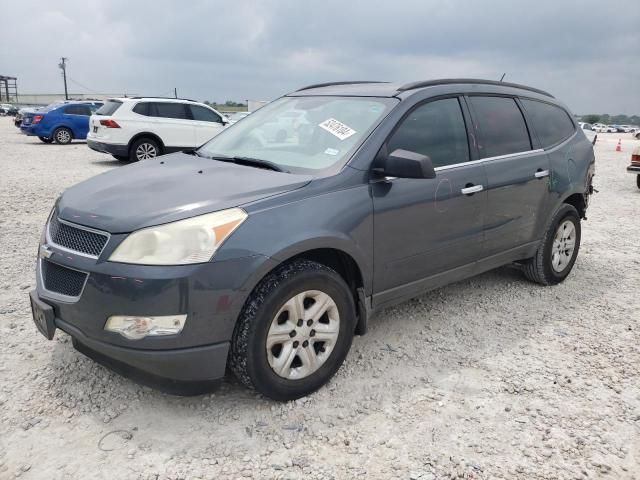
(302, 134)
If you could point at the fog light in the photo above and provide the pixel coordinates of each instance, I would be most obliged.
(135, 328)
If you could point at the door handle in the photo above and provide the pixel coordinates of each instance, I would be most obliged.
(542, 173)
(471, 189)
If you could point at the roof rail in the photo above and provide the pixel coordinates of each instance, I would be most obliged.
(165, 98)
(329, 84)
(447, 81)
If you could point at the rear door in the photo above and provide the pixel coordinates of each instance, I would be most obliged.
(518, 173)
(77, 117)
(207, 123)
(173, 125)
(423, 227)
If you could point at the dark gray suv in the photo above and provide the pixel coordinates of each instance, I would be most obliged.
(269, 247)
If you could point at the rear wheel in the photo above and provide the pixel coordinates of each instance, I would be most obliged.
(46, 139)
(638, 180)
(63, 136)
(294, 331)
(558, 250)
(144, 149)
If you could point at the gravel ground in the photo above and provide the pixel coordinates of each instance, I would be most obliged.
(493, 377)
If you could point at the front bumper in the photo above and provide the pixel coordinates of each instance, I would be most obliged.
(211, 294)
(112, 149)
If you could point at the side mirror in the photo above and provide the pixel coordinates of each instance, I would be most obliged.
(405, 164)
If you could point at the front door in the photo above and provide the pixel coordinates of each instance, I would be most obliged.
(207, 123)
(423, 227)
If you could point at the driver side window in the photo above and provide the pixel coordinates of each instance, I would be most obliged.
(435, 129)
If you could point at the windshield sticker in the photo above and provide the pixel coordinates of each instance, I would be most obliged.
(337, 128)
(332, 151)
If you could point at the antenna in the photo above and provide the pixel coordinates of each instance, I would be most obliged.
(502, 77)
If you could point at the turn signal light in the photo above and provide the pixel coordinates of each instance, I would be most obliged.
(109, 123)
(37, 118)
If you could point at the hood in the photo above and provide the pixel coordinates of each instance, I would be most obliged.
(167, 189)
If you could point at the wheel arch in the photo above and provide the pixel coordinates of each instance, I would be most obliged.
(150, 135)
(338, 259)
(578, 201)
(66, 127)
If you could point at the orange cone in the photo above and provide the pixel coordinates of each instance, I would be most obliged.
(619, 146)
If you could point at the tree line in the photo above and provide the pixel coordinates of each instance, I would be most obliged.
(611, 119)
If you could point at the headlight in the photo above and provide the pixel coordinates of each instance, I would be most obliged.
(193, 240)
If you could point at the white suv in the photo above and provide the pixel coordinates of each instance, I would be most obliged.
(139, 128)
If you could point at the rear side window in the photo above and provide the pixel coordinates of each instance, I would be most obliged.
(77, 110)
(142, 108)
(204, 114)
(435, 129)
(502, 127)
(109, 108)
(169, 110)
(552, 124)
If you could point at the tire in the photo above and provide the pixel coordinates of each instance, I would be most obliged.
(638, 181)
(265, 319)
(46, 140)
(121, 158)
(545, 267)
(63, 136)
(144, 149)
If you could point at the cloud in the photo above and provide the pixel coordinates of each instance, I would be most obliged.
(584, 53)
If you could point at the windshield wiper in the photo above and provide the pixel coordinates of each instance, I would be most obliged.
(248, 161)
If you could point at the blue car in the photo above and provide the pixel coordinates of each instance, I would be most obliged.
(60, 122)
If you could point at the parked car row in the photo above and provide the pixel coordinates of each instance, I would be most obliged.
(601, 128)
(130, 129)
(8, 109)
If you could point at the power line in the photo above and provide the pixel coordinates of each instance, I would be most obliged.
(83, 86)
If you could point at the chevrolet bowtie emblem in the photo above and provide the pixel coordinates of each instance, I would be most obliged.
(45, 252)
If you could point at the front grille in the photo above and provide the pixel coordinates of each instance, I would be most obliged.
(75, 238)
(62, 280)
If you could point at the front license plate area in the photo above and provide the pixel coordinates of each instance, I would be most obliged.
(43, 316)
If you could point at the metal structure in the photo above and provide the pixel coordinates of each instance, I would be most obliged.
(8, 89)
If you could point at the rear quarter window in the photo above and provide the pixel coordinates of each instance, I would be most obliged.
(142, 108)
(552, 124)
(502, 126)
(109, 108)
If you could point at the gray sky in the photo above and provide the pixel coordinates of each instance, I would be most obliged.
(586, 53)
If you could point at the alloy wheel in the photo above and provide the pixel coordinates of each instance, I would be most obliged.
(303, 334)
(63, 136)
(564, 243)
(146, 151)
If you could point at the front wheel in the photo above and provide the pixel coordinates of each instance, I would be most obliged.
(294, 332)
(558, 250)
(46, 139)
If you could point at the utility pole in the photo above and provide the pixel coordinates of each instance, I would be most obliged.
(63, 67)
(175, 92)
